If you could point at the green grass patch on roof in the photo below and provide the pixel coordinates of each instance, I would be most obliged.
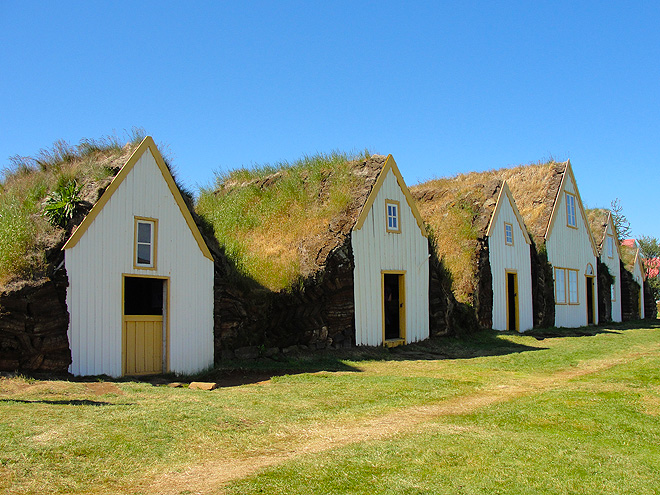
(261, 214)
(25, 183)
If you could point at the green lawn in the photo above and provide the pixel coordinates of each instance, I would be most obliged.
(496, 413)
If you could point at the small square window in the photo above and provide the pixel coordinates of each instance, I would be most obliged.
(393, 221)
(508, 234)
(145, 243)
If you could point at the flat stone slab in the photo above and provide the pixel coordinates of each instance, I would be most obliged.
(203, 385)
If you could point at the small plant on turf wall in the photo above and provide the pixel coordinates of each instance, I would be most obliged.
(60, 205)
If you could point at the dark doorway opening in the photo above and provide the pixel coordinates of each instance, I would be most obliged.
(512, 301)
(590, 301)
(143, 296)
(393, 304)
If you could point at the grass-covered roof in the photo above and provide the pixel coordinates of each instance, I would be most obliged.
(458, 210)
(629, 256)
(598, 220)
(278, 223)
(30, 184)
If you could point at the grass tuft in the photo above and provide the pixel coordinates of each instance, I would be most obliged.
(27, 181)
(260, 214)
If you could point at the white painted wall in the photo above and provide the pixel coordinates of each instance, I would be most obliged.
(505, 258)
(638, 276)
(105, 251)
(571, 248)
(374, 249)
(614, 266)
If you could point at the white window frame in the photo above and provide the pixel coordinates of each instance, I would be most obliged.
(571, 217)
(560, 286)
(151, 243)
(508, 234)
(610, 246)
(393, 216)
(613, 290)
(573, 286)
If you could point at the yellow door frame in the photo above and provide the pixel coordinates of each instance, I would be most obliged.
(402, 307)
(515, 289)
(165, 318)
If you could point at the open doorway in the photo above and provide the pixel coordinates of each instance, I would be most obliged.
(512, 301)
(144, 336)
(591, 317)
(394, 307)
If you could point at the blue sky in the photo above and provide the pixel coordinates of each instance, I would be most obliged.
(445, 87)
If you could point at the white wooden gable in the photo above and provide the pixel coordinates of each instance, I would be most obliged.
(375, 251)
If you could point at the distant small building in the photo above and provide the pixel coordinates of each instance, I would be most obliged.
(140, 294)
(609, 251)
(633, 286)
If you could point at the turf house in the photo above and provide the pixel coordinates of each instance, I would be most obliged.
(609, 264)
(122, 284)
(329, 251)
(480, 236)
(636, 299)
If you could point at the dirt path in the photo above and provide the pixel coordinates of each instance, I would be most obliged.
(210, 477)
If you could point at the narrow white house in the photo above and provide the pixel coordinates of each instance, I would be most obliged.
(609, 250)
(510, 265)
(572, 253)
(391, 259)
(481, 239)
(140, 294)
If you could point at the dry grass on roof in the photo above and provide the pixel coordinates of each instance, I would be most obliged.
(25, 235)
(628, 254)
(597, 218)
(278, 223)
(457, 212)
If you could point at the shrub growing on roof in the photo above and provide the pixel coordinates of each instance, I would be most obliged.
(25, 235)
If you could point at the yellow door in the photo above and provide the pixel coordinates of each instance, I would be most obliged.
(143, 344)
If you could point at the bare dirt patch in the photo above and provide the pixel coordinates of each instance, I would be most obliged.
(102, 388)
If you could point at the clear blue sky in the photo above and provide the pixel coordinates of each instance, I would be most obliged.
(445, 87)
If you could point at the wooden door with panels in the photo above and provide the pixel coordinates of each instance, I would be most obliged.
(144, 333)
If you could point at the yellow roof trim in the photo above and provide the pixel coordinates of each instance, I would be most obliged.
(390, 164)
(615, 234)
(569, 171)
(505, 191)
(639, 263)
(146, 144)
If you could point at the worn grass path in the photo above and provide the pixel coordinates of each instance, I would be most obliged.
(211, 477)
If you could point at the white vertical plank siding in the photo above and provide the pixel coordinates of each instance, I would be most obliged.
(505, 258)
(571, 248)
(374, 250)
(105, 251)
(614, 266)
(638, 277)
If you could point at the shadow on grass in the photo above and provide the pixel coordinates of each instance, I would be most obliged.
(233, 373)
(73, 402)
(591, 331)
